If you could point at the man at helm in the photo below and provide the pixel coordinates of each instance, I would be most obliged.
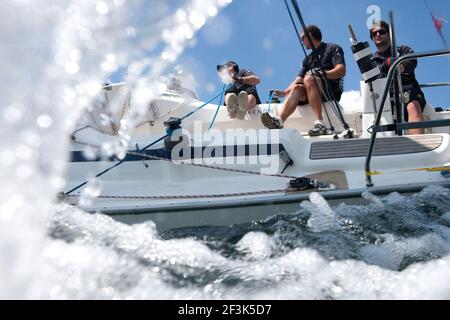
(414, 97)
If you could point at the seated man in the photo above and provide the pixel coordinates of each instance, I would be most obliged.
(415, 99)
(242, 95)
(309, 86)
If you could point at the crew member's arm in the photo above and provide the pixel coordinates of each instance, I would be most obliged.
(405, 67)
(337, 72)
(251, 80)
(247, 77)
(285, 92)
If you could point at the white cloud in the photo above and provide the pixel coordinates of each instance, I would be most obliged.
(351, 100)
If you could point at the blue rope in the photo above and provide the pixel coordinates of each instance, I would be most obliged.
(218, 107)
(270, 100)
(203, 105)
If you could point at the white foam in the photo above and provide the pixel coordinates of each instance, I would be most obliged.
(446, 216)
(256, 245)
(322, 216)
(372, 198)
(390, 254)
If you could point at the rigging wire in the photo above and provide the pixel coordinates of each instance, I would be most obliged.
(295, 28)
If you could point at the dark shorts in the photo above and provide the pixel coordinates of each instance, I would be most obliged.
(413, 94)
(334, 91)
(248, 89)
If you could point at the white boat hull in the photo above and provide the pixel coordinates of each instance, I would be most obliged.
(136, 190)
(230, 212)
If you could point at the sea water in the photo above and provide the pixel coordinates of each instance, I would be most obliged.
(55, 56)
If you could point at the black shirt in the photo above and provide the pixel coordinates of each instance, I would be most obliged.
(329, 55)
(408, 76)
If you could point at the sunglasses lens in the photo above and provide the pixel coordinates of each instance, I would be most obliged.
(379, 32)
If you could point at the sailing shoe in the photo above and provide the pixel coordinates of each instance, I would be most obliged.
(232, 105)
(271, 122)
(242, 105)
(318, 130)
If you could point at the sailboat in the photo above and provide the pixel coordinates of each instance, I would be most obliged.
(182, 170)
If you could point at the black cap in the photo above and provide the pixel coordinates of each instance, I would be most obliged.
(229, 63)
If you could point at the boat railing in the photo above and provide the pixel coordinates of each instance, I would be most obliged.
(432, 85)
(401, 125)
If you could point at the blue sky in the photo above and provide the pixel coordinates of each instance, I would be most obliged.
(258, 34)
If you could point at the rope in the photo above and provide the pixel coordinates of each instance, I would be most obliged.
(203, 105)
(272, 92)
(218, 107)
(145, 156)
(333, 131)
(199, 196)
(295, 27)
(82, 128)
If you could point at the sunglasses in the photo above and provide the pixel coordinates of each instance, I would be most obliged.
(380, 32)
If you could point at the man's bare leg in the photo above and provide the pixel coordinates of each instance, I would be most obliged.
(314, 88)
(415, 115)
(251, 102)
(297, 94)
